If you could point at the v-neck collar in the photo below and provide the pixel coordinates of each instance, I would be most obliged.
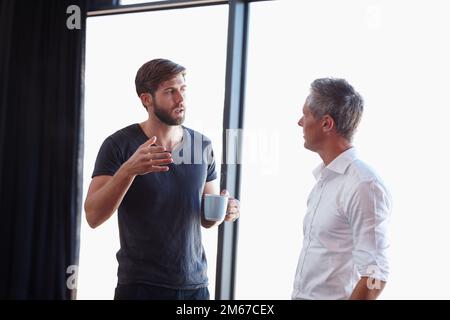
(178, 146)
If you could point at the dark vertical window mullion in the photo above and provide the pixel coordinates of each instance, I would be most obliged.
(232, 125)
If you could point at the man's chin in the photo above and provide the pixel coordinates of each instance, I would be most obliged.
(172, 121)
(178, 121)
(306, 146)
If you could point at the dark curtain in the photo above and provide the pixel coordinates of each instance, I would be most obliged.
(41, 77)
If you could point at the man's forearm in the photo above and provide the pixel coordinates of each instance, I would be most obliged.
(102, 203)
(367, 289)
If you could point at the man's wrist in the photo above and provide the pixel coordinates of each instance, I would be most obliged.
(124, 172)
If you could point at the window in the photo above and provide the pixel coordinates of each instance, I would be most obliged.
(116, 46)
(395, 54)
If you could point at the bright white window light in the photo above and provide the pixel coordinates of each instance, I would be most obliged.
(116, 46)
(395, 53)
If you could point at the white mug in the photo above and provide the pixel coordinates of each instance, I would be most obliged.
(215, 207)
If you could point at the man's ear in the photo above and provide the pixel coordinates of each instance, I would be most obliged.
(327, 123)
(146, 99)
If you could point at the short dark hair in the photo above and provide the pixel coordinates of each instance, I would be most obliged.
(152, 73)
(338, 99)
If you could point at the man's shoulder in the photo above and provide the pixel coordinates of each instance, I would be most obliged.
(363, 182)
(127, 138)
(124, 133)
(360, 172)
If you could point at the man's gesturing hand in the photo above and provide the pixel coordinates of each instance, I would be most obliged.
(148, 158)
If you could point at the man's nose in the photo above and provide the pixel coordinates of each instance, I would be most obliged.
(300, 122)
(179, 97)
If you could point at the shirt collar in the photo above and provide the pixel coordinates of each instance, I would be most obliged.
(338, 165)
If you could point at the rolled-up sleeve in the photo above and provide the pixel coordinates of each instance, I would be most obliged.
(369, 211)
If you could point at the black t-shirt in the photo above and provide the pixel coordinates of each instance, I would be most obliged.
(159, 217)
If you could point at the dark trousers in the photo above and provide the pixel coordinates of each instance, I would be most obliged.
(148, 292)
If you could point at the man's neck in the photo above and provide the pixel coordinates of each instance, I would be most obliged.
(333, 149)
(167, 136)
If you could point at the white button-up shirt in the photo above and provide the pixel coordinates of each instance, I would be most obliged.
(345, 230)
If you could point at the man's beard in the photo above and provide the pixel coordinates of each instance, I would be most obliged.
(165, 115)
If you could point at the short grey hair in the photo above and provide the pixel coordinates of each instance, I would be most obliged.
(338, 99)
